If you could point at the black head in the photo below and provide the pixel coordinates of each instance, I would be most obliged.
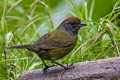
(72, 25)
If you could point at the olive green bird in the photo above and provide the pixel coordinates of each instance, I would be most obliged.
(56, 44)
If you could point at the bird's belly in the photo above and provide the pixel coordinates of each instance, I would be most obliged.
(56, 53)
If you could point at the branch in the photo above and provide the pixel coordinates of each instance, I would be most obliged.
(104, 69)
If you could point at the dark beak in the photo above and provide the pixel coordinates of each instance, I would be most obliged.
(83, 24)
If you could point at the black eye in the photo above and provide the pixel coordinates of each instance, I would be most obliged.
(73, 23)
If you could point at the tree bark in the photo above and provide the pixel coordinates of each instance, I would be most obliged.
(104, 69)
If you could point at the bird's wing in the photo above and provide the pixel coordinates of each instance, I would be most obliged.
(54, 40)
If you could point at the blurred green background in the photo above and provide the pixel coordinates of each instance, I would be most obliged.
(23, 21)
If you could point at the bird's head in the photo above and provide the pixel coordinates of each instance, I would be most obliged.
(72, 25)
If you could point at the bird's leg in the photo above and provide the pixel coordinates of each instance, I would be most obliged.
(46, 66)
(68, 67)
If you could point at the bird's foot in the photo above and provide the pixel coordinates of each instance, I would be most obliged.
(46, 68)
(66, 68)
(69, 66)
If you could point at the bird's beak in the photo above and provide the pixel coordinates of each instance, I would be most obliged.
(83, 24)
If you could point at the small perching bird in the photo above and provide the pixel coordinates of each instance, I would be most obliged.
(56, 44)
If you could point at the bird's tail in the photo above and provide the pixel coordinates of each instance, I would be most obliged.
(19, 47)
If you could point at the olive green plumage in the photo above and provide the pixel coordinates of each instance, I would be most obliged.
(56, 44)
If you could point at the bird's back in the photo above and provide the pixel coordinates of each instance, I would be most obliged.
(54, 46)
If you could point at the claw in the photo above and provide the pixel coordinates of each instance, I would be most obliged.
(66, 68)
(69, 66)
(46, 68)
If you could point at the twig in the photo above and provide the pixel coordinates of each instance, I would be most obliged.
(13, 6)
(105, 69)
(112, 37)
(95, 39)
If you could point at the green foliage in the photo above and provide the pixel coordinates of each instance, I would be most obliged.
(101, 8)
(23, 21)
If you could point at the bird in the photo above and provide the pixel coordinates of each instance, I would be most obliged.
(56, 44)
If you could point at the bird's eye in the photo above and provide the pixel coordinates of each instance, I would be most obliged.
(73, 23)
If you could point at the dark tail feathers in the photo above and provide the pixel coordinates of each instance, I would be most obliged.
(19, 47)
